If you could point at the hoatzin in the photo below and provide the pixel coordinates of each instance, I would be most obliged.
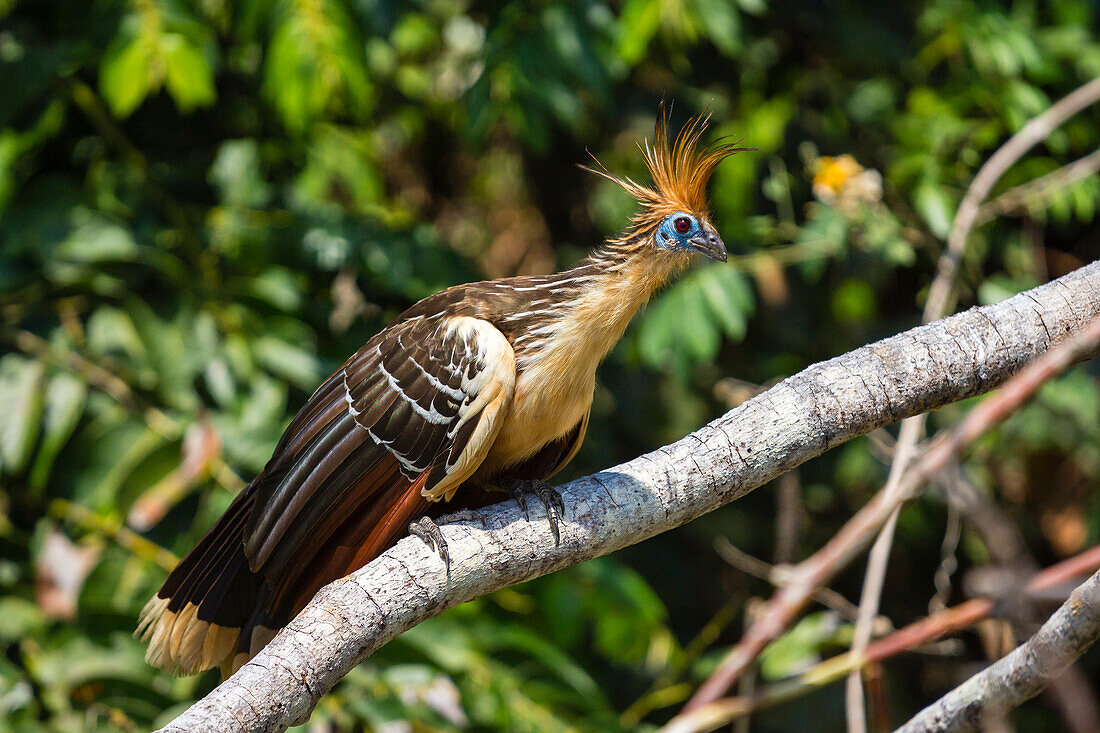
(481, 385)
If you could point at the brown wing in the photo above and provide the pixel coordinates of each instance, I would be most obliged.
(409, 417)
(405, 421)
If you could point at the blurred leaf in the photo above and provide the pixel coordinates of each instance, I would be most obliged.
(854, 302)
(125, 77)
(293, 363)
(238, 174)
(730, 298)
(677, 330)
(19, 619)
(21, 393)
(685, 325)
(800, 647)
(935, 207)
(721, 24)
(279, 287)
(314, 64)
(189, 78)
(1000, 287)
(638, 24)
(16, 145)
(94, 239)
(65, 399)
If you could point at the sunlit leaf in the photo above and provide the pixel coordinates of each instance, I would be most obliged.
(125, 76)
(935, 207)
(189, 78)
(21, 393)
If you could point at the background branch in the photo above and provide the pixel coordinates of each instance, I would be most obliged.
(1035, 131)
(928, 629)
(1022, 674)
(814, 572)
(802, 417)
(938, 305)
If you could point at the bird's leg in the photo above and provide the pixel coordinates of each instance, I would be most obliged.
(426, 529)
(551, 499)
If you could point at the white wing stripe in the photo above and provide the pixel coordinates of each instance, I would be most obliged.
(435, 418)
(347, 398)
(454, 394)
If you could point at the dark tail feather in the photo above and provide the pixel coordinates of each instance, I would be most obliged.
(215, 610)
(194, 622)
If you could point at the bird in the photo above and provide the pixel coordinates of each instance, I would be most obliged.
(481, 386)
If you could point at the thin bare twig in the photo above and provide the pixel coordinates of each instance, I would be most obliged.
(949, 621)
(875, 576)
(1020, 196)
(776, 575)
(1034, 132)
(1021, 675)
(1005, 544)
(936, 307)
(817, 570)
(788, 517)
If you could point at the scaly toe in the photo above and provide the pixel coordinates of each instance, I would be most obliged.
(550, 497)
(429, 532)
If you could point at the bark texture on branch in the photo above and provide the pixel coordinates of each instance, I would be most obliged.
(798, 419)
(1021, 675)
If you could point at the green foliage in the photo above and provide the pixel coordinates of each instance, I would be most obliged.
(801, 647)
(686, 326)
(205, 207)
(157, 46)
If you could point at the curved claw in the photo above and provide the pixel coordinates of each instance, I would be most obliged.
(550, 497)
(429, 532)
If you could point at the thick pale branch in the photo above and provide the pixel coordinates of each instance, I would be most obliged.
(796, 420)
(815, 571)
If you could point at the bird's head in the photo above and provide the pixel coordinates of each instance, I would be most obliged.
(674, 219)
(682, 231)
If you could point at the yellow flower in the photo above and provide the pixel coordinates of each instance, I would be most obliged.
(842, 181)
(832, 173)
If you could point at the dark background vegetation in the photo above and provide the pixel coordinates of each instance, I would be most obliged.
(205, 206)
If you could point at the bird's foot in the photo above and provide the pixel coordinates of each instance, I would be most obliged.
(551, 499)
(426, 529)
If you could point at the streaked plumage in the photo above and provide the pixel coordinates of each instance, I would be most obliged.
(474, 385)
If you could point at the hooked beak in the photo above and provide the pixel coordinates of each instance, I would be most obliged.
(709, 244)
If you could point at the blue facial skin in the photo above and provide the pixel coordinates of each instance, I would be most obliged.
(682, 231)
(670, 237)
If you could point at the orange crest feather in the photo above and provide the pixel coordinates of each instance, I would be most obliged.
(680, 170)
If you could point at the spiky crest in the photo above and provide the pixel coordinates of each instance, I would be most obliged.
(680, 171)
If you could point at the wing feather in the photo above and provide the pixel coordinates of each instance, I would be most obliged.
(404, 422)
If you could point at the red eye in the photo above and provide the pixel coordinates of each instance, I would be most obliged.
(682, 224)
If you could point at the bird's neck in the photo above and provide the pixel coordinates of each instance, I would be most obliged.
(624, 283)
(606, 289)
